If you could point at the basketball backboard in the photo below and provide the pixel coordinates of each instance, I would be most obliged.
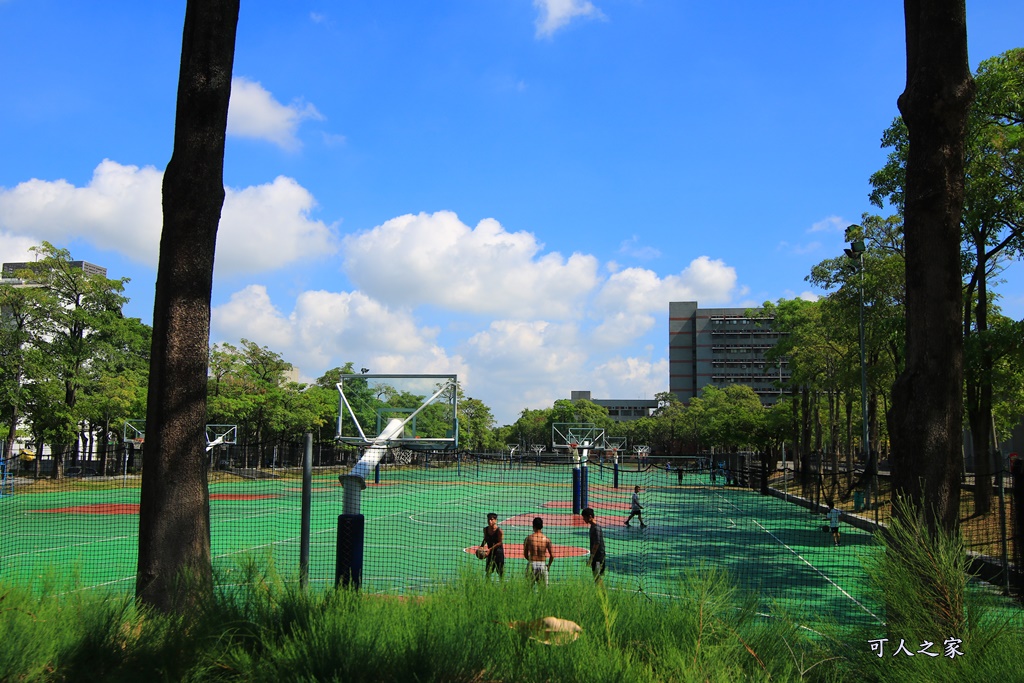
(426, 405)
(134, 430)
(568, 435)
(220, 434)
(617, 443)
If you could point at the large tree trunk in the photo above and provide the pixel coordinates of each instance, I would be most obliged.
(174, 570)
(926, 415)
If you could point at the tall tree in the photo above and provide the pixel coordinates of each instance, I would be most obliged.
(174, 568)
(16, 333)
(992, 225)
(926, 416)
(116, 387)
(76, 313)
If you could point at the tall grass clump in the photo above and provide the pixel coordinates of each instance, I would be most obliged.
(477, 630)
(923, 579)
(45, 632)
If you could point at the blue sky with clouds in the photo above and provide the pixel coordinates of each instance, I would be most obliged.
(512, 190)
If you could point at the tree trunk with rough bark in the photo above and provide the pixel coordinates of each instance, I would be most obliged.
(174, 568)
(927, 399)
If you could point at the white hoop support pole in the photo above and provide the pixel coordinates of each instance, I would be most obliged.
(355, 481)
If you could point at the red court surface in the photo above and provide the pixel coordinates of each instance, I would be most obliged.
(526, 520)
(133, 508)
(596, 505)
(97, 509)
(514, 551)
(242, 496)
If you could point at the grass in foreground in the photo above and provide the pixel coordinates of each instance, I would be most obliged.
(266, 630)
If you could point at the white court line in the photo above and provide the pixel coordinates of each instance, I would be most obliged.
(412, 517)
(61, 548)
(820, 572)
(804, 560)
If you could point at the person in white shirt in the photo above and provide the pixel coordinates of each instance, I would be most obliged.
(635, 508)
(833, 521)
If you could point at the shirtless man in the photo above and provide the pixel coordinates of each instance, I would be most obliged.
(534, 548)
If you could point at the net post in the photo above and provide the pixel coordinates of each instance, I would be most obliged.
(349, 567)
(615, 468)
(584, 485)
(307, 503)
(575, 479)
(349, 563)
(376, 473)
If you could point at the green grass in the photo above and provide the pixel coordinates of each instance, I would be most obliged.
(710, 622)
(265, 629)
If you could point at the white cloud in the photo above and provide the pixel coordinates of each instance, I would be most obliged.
(250, 315)
(15, 248)
(263, 227)
(254, 113)
(799, 249)
(829, 224)
(630, 378)
(118, 210)
(639, 290)
(436, 259)
(519, 364)
(556, 14)
(513, 362)
(517, 348)
(328, 329)
(632, 300)
(622, 328)
(632, 247)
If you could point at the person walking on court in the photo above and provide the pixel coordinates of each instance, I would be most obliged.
(635, 508)
(833, 521)
(597, 556)
(494, 541)
(535, 547)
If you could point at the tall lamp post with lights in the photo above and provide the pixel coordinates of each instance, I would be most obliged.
(855, 252)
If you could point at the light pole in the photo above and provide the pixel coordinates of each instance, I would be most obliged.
(856, 253)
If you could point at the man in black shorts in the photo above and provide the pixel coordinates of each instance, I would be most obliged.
(494, 541)
(635, 508)
(597, 556)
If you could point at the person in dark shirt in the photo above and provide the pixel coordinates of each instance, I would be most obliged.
(494, 541)
(597, 556)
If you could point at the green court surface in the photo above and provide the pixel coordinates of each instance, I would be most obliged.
(423, 524)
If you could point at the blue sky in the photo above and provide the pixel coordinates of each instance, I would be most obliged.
(510, 190)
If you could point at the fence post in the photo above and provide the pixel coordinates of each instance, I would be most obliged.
(1002, 524)
(1017, 514)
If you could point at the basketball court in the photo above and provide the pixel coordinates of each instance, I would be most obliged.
(423, 525)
